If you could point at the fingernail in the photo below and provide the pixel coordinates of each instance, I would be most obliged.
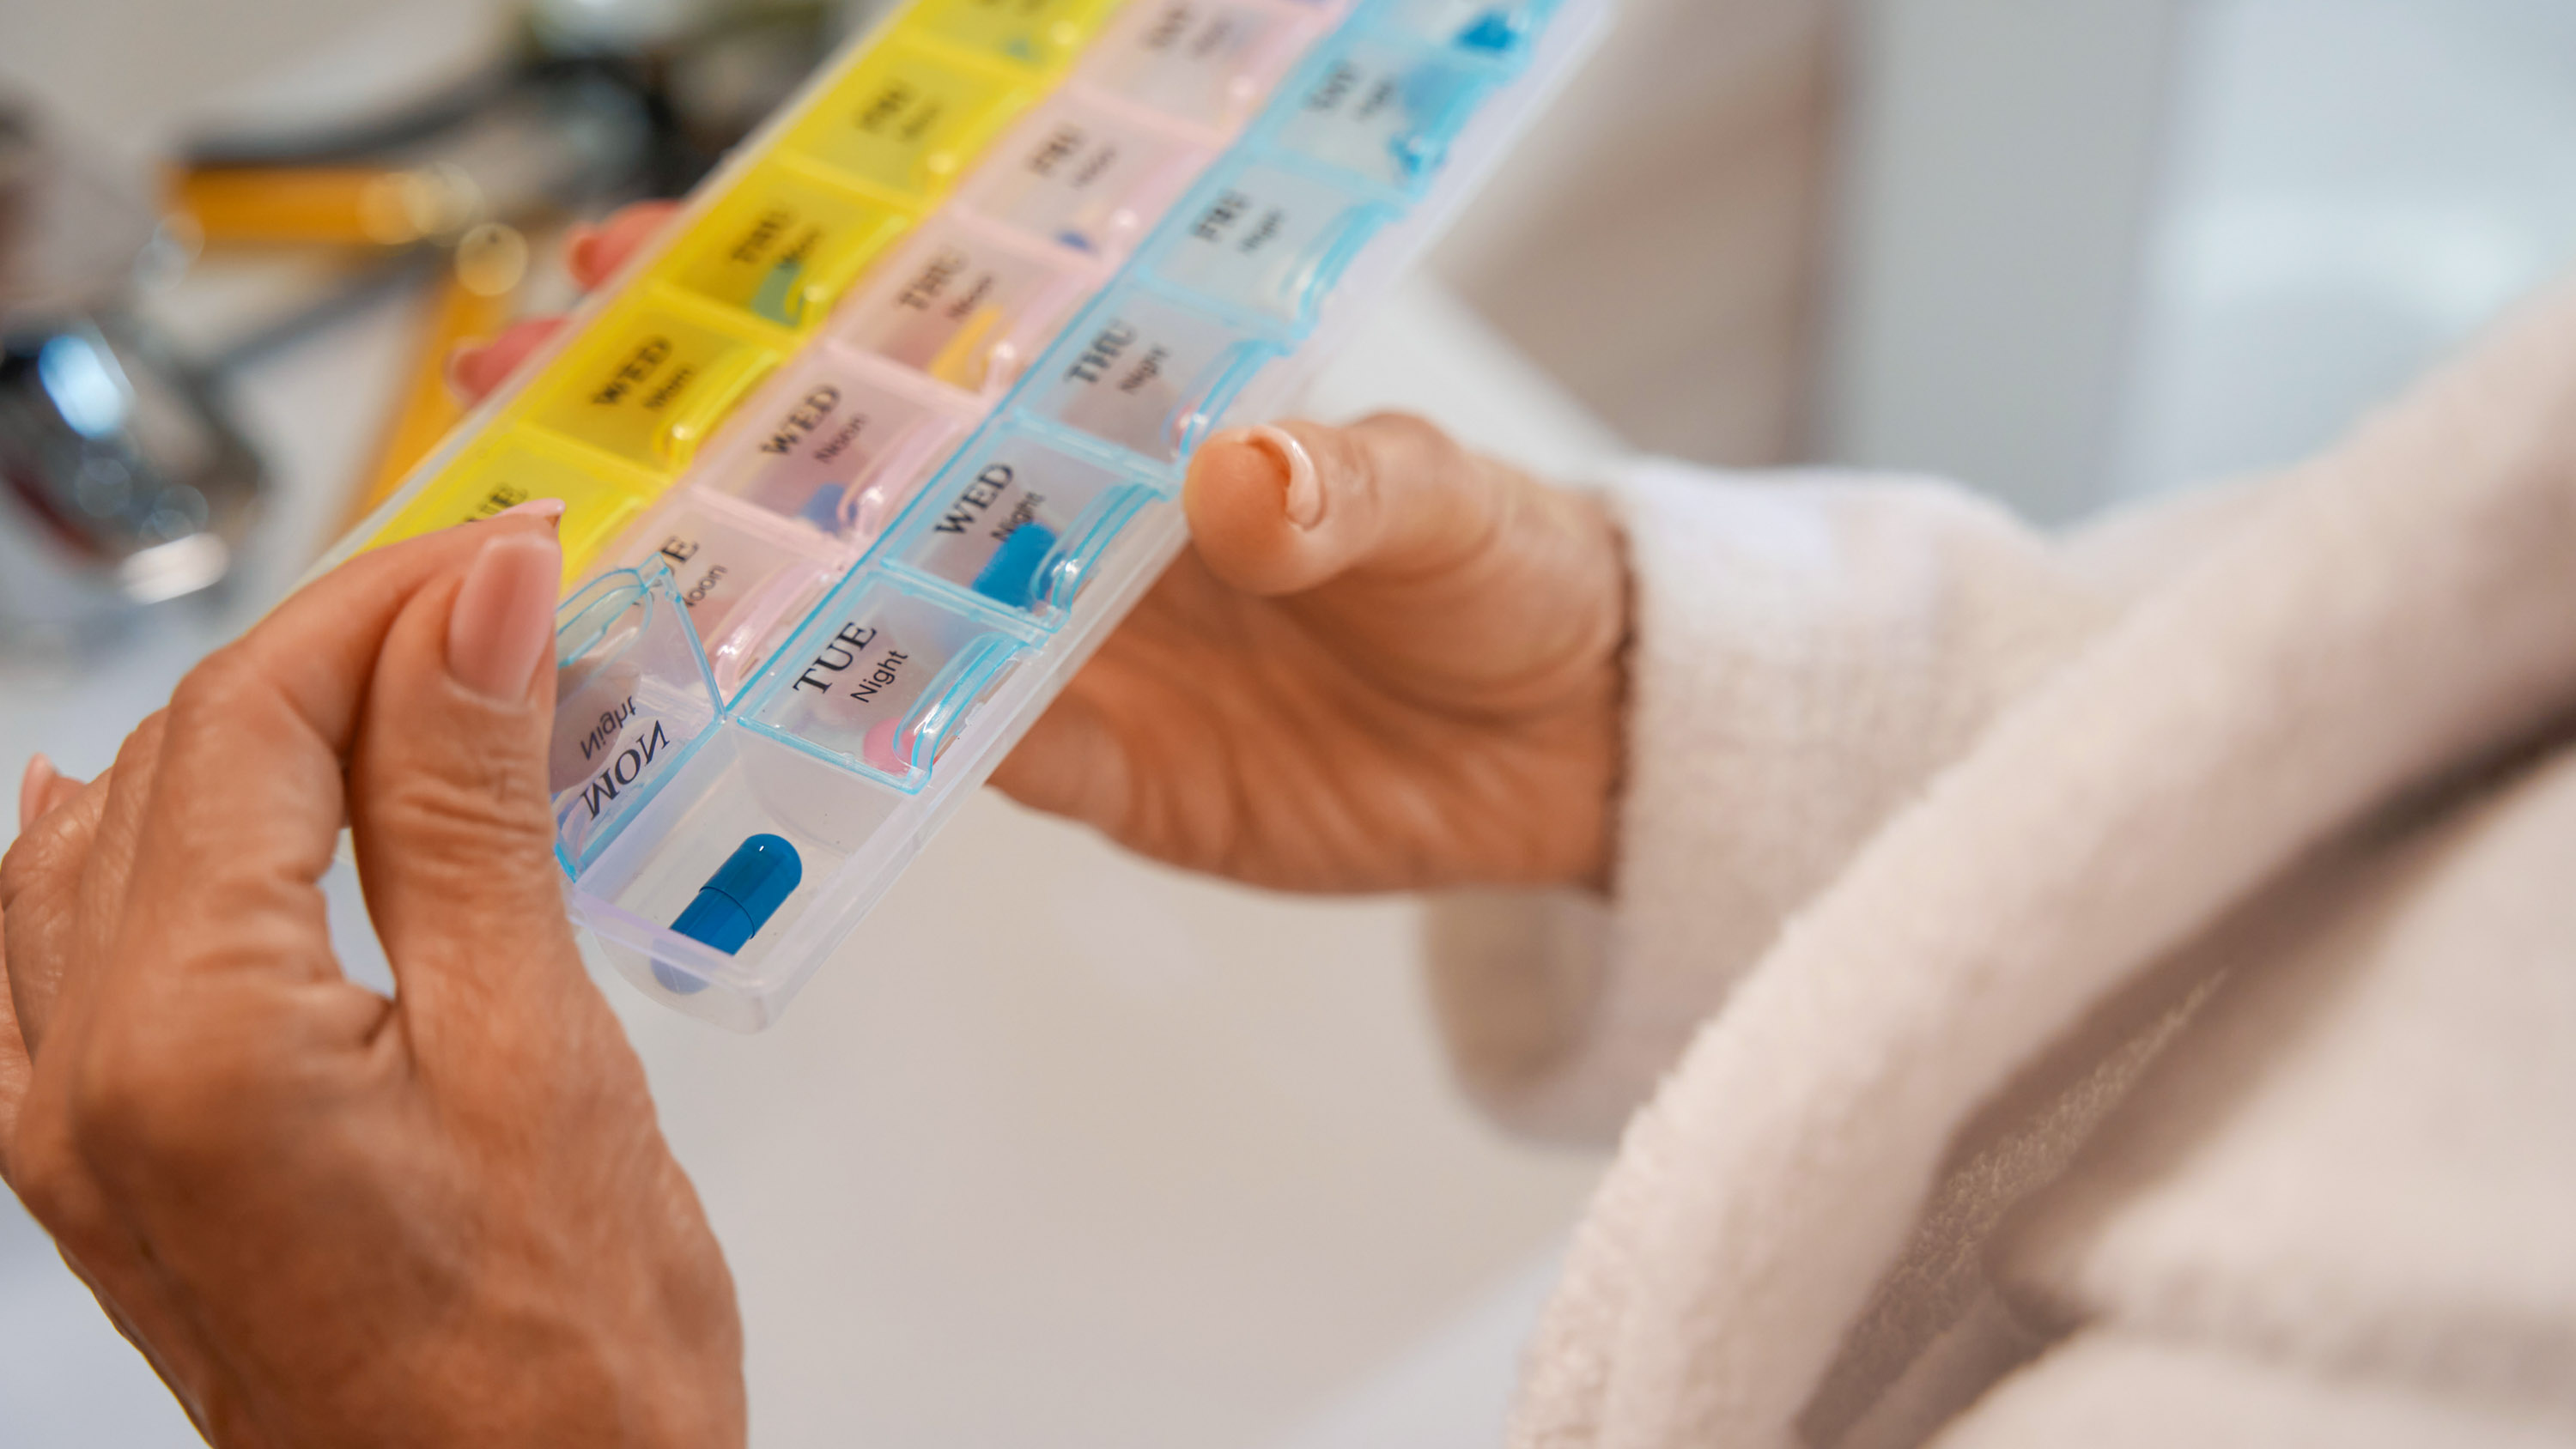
(504, 615)
(1305, 487)
(581, 251)
(458, 363)
(40, 777)
(549, 509)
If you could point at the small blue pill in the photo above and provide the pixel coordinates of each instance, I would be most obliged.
(737, 901)
(1494, 31)
(1010, 576)
(823, 510)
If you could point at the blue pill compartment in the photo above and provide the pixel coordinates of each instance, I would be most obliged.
(1150, 371)
(632, 695)
(1384, 109)
(1497, 29)
(882, 679)
(1023, 520)
(737, 785)
(1266, 237)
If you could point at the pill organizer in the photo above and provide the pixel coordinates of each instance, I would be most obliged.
(867, 455)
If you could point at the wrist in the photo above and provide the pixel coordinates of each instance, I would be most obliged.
(1609, 694)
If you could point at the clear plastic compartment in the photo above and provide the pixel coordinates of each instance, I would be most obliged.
(883, 679)
(1385, 109)
(1086, 177)
(1149, 372)
(965, 304)
(819, 853)
(1270, 240)
(909, 120)
(1208, 62)
(745, 575)
(1024, 520)
(840, 442)
(632, 692)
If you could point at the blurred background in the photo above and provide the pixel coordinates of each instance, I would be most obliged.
(1142, 1161)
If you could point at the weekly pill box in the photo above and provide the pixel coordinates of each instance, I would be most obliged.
(865, 457)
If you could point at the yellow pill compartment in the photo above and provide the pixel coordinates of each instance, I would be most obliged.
(910, 119)
(600, 498)
(784, 244)
(1041, 34)
(652, 378)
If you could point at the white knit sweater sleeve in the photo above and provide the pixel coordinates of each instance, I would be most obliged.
(1809, 649)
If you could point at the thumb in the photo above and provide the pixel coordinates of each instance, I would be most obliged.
(447, 785)
(1280, 509)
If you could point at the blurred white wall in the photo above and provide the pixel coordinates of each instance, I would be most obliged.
(2348, 189)
(2092, 252)
(1656, 242)
(1999, 173)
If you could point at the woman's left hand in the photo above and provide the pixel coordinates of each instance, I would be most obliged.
(326, 1217)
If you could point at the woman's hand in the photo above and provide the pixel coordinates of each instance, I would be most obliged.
(325, 1217)
(1383, 664)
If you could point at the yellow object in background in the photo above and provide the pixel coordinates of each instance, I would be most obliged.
(474, 300)
(325, 206)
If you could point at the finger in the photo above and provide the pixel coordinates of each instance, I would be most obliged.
(38, 1158)
(448, 796)
(108, 858)
(246, 806)
(1072, 763)
(1280, 509)
(41, 794)
(597, 252)
(17, 1070)
(32, 788)
(1451, 578)
(40, 892)
(59, 792)
(476, 371)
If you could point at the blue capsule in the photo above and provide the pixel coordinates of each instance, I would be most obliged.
(1010, 576)
(1494, 32)
(823, 510)
(737, 901)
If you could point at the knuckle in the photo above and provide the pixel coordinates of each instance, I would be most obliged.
(1404, 456)
(1410, 441)
(142, 1093)
(220, 685)
(46, 856)
(46, 1184)
(478, 809)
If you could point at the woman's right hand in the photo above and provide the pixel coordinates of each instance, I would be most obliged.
(1384, 663)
